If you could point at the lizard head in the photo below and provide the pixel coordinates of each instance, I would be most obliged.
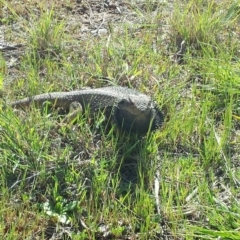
(138, 114)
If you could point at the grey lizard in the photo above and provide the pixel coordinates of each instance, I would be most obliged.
(131, 110)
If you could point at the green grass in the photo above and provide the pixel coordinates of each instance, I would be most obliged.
(78, 180)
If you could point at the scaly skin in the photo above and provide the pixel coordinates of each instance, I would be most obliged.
(133, 111)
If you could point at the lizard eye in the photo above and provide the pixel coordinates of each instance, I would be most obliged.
(122, 102)
(125, 102)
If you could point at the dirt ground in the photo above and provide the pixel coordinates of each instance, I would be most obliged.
(85, 20)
